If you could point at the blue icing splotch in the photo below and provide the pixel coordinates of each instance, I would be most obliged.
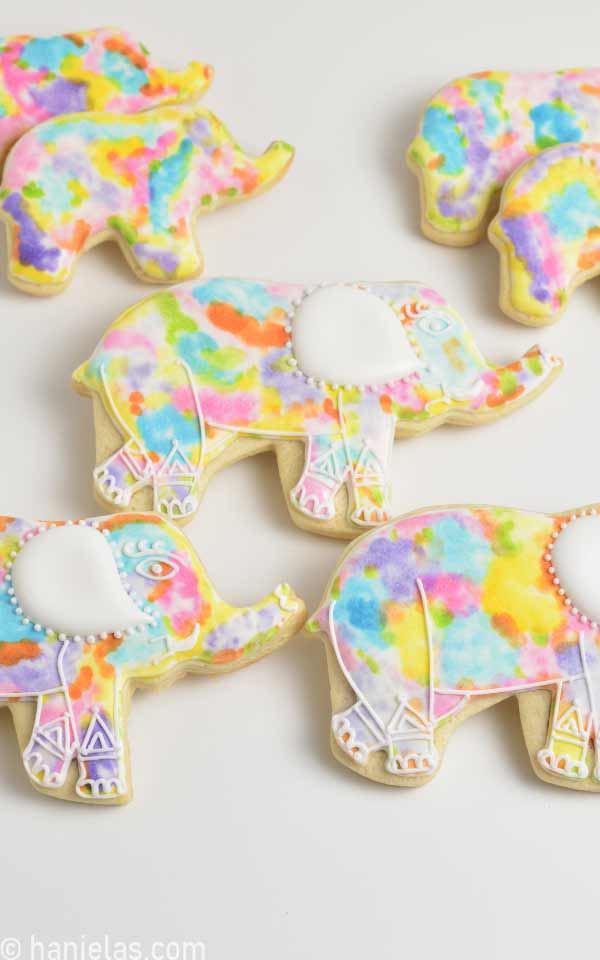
(554, 123)
(487, 94)
(119, 68)
(196, 349)
(473, 649)
(573, 212)
(48, 53)
(165, 179)
(359, 610)
(441, 132)
(461, 551)
(159, 428)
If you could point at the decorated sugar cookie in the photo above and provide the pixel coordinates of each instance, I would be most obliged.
(475, 132)
(197, 377)
(443, 613)
(91, 609)
(106, 69)
(142, 180)
(547, 231)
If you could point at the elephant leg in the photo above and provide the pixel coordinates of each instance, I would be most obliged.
(411, 745)
(357, 733)
(176, 484)
(172, 256)
(102, 773)
(118, 477)
(53, 741)
(571, 728)
(37, 255)
(369, 452)
(325, 469)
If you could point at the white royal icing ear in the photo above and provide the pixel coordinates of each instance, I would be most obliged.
(346, 335)
(576, 562)
(66, 580)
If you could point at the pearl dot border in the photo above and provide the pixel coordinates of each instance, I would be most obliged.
(18, 608)
(550, 569)
(292, 360)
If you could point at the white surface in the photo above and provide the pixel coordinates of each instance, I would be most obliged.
(244, 832)
(66, 579)
(576, 561)
(345, 335)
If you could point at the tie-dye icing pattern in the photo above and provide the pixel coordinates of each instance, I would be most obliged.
(184, 372)
(106, 69)
(78, 179)
(441, 607)
(548, 231)
(78, 682)
(477, 130)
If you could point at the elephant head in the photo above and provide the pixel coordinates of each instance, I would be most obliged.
(450, 357)
(90, 609)
(358, 336)
(136, 579)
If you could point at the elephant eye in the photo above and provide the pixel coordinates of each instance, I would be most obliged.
(156, 568)
(435, 324)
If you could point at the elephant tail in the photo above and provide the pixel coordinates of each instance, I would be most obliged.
(319, 622)
(82, 379)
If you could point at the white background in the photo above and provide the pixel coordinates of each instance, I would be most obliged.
(244, 832)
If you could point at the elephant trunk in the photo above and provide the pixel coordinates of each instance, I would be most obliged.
(503, 386)
(273, 163)
(249, 633)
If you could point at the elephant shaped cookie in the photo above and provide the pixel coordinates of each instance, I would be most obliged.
(142, 180)
(199, 376)
(547, 231)
(477, 130)
(106, 69)
(443, 613)
(89, 610)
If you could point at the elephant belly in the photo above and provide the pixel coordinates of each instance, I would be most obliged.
(473, 658)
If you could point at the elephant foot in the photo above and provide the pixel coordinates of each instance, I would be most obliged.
(354, 733)
(564, 765)
(49, 753)
(412, 757)
(122, 474)
(314, 497)
(101, 780)
(370, 516)
(176, 498)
